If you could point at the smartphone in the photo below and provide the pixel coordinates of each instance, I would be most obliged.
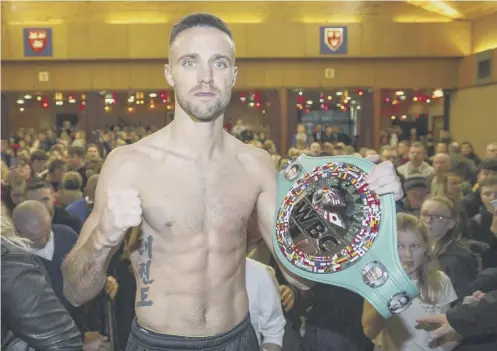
(427, 326)
(494, 204)
(13, 162)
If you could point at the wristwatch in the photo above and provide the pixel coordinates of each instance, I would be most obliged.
(332, 229)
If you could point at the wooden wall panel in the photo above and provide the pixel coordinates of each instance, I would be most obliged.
(474, 115)
(80, 40)
(387, 73)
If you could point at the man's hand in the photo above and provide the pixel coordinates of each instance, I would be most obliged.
(444, 334)
(111, 287)
(493, 226)
(384, 180)
(121, 212)
(477, 296)
(287, 297)
(95, 342)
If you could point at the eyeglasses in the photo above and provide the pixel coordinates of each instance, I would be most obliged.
(433, 217)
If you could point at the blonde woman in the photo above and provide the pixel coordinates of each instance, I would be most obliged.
(283, 163)
(300, 140)
(459, 258)
(293, 152)
(32, 315)
(400, 332)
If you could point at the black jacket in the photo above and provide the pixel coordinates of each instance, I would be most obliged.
(31, 312)
(477, 323)
(472, 203)
(486, 281)
(479, 229)
(61, 216)
(461, 266)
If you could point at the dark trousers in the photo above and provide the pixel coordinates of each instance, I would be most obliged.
(241, 338)
(320, 339)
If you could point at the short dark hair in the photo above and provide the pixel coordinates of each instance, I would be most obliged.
(92, 145)
(77, 151)
(199, 20)
(489, 164)
(38, 155)
(418, 145)
(490, 181)
(37, 183)
(55, 164)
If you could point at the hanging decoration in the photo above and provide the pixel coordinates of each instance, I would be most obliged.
(59, 99)
(405, 117)
(397, 103)
(257, 96)
(163, 96)
(254, 100)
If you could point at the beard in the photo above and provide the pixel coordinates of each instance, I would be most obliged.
(204, 111)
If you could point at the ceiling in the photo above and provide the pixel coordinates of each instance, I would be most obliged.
(457, 9)
(24, 12)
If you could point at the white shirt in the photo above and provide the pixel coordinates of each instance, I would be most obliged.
(400, 333)
(265, 310)
(408, 170)
(48, 250)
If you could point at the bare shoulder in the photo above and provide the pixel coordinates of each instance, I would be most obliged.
(122, 160)
(257, 162)
(254, 158)
(132, 158)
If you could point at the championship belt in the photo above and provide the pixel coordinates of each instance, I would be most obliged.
(330, 228)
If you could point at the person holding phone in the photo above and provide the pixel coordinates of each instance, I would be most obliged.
(477, 317)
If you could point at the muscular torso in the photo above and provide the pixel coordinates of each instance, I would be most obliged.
(190, 260)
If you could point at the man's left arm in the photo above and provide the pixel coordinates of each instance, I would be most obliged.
(265, 211)
(382, 180)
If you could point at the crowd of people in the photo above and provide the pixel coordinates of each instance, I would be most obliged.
(448, 227)
(127, 239)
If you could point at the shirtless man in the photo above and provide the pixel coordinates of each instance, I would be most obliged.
(191, 188)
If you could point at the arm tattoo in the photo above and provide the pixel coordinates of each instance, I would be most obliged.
(145, 251)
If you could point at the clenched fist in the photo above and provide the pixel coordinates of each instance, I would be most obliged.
(122, 211)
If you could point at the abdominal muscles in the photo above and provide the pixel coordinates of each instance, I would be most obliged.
(190, 284)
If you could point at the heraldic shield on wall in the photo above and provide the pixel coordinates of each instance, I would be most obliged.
(331, 228)
(38, 42)
(334, 40)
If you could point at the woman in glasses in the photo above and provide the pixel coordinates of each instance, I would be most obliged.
(458, 257)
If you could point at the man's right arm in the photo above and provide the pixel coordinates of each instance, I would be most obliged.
(85, 267)
(476, 318)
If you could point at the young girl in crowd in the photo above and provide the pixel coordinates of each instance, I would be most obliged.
(401, 332)
(455, 255)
